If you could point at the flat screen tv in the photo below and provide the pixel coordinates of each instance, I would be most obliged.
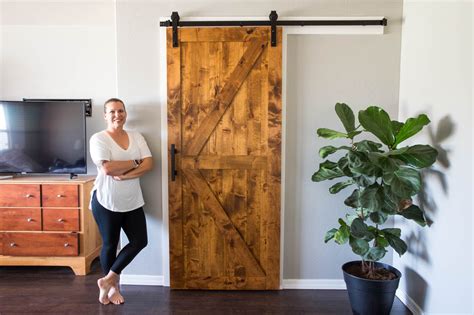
(43, 137)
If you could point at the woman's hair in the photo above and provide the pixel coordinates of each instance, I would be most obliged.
(113, 100)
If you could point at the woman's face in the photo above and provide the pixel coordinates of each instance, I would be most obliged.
(115, 115)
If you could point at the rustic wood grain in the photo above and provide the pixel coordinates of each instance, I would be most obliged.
(222, 112)
(228, 162)
(225, 96)
(174, 187)
(236, 243)
(274, 167)
(221, 34)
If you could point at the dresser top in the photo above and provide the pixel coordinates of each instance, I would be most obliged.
(45, 179)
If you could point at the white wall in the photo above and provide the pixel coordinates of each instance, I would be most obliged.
(360, 70)
(138, 83)
(436, 78)
(59, 50)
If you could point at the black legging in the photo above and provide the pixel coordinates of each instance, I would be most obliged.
(133, 224)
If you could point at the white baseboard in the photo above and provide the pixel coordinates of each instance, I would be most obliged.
(141, 280)
(409, 303)
(320, 284)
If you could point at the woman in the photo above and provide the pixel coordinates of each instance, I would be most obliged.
(121, 158)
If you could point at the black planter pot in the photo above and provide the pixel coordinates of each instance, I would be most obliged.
(371, 297)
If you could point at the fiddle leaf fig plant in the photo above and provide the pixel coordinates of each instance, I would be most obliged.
(383, 176)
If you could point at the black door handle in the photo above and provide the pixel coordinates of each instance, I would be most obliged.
(174, 172)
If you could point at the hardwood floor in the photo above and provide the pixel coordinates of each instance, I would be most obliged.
(55, 290)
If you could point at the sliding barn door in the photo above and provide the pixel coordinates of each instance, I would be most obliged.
(224, 119)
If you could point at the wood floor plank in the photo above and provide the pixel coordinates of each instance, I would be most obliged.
(56, 290)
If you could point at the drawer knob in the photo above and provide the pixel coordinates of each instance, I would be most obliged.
(66, 245)
(60, 196)
(12, 244)
(61, 220)
(28, 196)
(29, 220)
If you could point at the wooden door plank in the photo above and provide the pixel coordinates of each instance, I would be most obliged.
(174, 187)
(274, 165)
(236, 243)
(224, 98)
(231, 54)
(193, 108)
(219, 34)
(228, 162)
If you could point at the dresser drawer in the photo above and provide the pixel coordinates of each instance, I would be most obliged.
(61, 219)
(19, 195)
(60, 195)
(40, 244)
(20, 219)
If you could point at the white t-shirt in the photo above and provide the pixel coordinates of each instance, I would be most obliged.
(117, 195)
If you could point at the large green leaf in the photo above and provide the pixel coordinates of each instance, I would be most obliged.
(404, 182)
(364, 180)
(359, 246)
(329, 149)
(396, 126)
(342, 234)
(390, 201)
(329, 235)
(359, 229)
(346, 115)
(418, 155)
(394, 231)
(327, 170)
(353, 200)
(396, 243)
(414, 213)
(371, 198)
(367, 146)
(381, 241)
(378, 217)
(375, 254)
(343, 165)
(411, 127)
(359, 163)
(330, 134)
(339, 186)
(350, 217)
(384, 162)
(376, 120)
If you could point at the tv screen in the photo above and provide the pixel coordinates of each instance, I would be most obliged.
(43, 137)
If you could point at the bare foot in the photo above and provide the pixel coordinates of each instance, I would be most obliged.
(104, 289)
(115, 296)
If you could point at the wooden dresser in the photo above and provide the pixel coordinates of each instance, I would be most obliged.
(46, 221)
